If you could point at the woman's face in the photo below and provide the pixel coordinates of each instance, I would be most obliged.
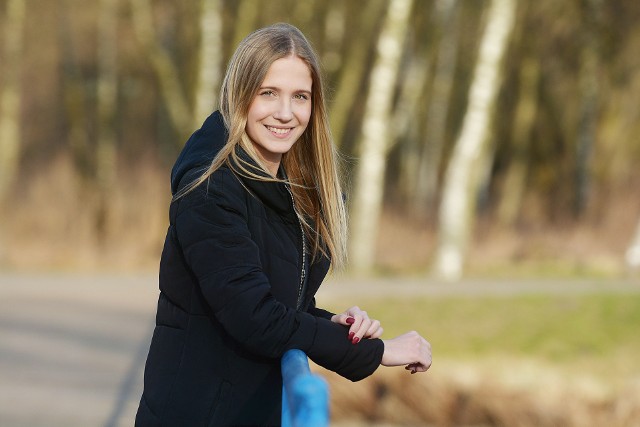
(280, 111)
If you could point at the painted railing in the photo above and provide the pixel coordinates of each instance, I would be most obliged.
(305, 396)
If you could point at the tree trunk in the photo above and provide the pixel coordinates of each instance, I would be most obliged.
(516, 175)
(412, 88)
(168, 75)
(353, 71)
(210, 57)
(10, 102)
(304, 11)
(75, 101)
(458, 206)
(334, 31)
(589, 88)
(106, 107)
(367, 201)
(632, 256)
(246, 20)
(426, 184)
(407, 125)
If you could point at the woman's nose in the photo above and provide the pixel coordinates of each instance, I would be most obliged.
(284, 112)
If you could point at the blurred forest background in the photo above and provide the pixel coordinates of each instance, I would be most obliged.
(486, 137)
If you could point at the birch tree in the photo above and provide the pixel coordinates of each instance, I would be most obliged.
(374, 141)
(632, 256)
(10, 101)
(458, 206)
(210, 58)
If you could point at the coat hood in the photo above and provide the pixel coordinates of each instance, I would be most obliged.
(202, 147)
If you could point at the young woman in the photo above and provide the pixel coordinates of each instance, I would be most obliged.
(256, 220)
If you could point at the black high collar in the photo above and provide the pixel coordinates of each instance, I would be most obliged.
(273, 194)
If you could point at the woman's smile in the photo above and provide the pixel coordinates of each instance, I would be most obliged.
(279, 132)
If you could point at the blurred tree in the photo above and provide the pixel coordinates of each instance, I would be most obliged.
(75, 98)
(304, 11)
(405, 144)
(406, 122)
(171, 85)
(632, 256)
(246, 20)
(515, 179)
(10, 96)
(10, 105)
(565, 139)
(354, 70)
(376, 132)
(210, 58)
(334, 36)
(106, 106)
(589, 103)
(446, 29)
(457, 209)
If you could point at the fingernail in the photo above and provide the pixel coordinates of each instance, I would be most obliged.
(350, 320)
(356, 340)
(351, 334)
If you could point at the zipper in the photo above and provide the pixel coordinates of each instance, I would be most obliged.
(304, 252)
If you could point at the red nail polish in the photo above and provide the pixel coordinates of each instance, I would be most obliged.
(351, 334)
(356, 340)
(350, 320)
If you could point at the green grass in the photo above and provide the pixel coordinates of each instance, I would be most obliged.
(595, 332)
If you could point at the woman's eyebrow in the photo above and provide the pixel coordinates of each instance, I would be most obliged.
(279, 89)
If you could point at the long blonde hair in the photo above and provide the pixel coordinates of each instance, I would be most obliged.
(311, 164)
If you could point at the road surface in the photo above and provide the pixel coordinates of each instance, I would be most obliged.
(72, 347)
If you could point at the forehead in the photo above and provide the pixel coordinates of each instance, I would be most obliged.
(289, 72)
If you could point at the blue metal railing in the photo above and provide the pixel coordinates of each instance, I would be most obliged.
(305, 396)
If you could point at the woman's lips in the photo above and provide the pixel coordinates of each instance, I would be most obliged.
(279, 131)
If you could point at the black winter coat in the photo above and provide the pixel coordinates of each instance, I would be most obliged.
(229, 279)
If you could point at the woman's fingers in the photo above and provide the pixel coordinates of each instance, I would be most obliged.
(360, 325)
(416, 367)
(374, 330)
(343, 318)
(364, 327)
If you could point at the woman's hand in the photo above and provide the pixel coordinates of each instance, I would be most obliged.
(410, 350)
(360, 325)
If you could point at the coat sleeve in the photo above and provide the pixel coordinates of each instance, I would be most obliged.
(211, 226)
(319, 312)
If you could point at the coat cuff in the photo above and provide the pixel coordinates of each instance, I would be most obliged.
(332, 350)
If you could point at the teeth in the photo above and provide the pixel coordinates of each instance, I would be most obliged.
(278, 130)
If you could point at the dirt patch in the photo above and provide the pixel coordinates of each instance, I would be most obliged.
(500, 393)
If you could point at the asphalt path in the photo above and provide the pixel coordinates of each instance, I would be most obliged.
(72, 346)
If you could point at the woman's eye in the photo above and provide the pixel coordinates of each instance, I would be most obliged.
(301, 96)
(267, 93)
